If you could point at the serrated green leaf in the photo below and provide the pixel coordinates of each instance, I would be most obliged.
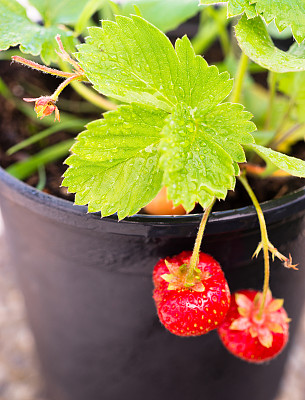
(256, 43)
(198, 84)
(17, 29)
(59, 11)
(200, 152)
(235, 7)
(114, 166)
(285, 13)
(165, 15)
(291, 165)
(133, 61)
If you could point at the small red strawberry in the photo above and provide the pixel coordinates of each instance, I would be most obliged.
(190, 308)
(250, 336)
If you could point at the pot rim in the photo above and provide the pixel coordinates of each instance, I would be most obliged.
(236, 219)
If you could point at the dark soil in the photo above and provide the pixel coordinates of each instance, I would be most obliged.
(16, 127)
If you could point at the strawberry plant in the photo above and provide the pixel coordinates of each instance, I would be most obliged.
(176, 122)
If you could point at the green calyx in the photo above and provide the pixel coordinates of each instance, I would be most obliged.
(179, 277)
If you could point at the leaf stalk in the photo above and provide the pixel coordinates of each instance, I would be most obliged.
(272, 92)
(239, 78)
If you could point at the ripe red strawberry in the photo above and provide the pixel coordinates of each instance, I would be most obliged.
(252, 338)
(194, 310)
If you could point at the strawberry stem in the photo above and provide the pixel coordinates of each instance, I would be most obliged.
(264, 240)
(88, 94)
(195, 255)
(239, 78)
(74, 77)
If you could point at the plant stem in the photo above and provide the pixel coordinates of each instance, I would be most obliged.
(93, 97)
(89, 94)
(283, 120)
(209, 30)
(239, 78)
(195, 255)
(264, 240)
(272, 91)
(42, 178)
(65, 83)
(222, 29)
(275, 144)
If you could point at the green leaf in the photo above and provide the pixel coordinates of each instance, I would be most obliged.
(165, 15)
(59, 11)
(285, 13)
(199, 85)
(17, 29)
(133, 61)
(235, 7)
(139, 64)
(200, 152)
(114, 166)
(292, 165)
(256, 43)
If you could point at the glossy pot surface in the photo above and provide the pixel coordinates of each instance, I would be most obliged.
(88, 290)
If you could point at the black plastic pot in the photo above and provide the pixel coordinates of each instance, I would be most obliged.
(88, 290)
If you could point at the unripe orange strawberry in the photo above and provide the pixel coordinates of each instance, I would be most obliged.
(161, 205)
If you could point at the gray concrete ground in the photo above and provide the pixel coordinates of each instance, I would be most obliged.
(19, 373)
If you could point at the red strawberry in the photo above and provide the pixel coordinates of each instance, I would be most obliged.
(194, 310)
(252, 338)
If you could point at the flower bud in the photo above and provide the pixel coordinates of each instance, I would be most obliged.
(45, 106)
